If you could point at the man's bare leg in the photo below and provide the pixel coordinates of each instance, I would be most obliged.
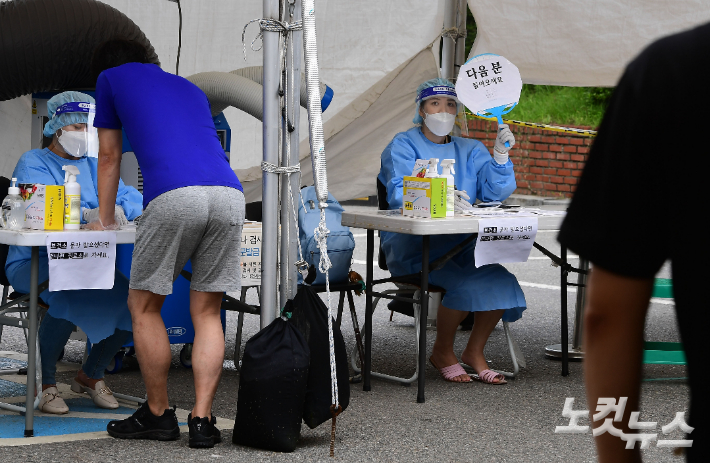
(208, 349)
(152, 346)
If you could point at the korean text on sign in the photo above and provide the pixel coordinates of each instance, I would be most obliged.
(505, 240)
(250, 255)
(81, 260)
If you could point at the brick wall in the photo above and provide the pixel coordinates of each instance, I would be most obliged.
(546, 163)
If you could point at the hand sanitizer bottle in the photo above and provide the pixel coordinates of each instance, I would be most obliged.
(72, 199)
(447, 171)
(433, 171)
(13, 209)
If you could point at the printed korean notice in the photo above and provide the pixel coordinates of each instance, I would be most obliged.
(250, 255)
(505, 240)
(81, 260)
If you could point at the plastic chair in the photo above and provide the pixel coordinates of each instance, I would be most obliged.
(407, 286)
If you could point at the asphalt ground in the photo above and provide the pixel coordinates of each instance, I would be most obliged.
(458, 422)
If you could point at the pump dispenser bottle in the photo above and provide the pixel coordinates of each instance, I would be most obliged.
(72, 199)
(447, 171)
(13, 209)
(433, 171)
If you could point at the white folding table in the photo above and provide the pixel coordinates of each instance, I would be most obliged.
(391, 221)
(36, 239)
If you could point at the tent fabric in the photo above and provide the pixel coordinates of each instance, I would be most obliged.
(358, 44)
(357, 135)
(563, 42)
(577, 42)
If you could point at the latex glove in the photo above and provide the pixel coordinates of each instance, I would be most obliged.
(91, 217)
(500, 151)
(460, 203)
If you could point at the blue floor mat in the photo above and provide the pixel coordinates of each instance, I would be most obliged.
(14, 425)
(11, 364)
(11, 389)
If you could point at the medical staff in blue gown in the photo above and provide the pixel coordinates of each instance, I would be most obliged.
(490, 291)
(102, 314)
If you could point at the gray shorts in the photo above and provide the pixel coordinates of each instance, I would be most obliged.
(202, 224)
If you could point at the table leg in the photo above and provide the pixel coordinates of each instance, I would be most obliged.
(32, 341)
(565, 346)
(579, 307)
(423, 314)
(367, 367)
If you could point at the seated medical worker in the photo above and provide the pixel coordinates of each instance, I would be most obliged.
(102, 314)
(490, 291)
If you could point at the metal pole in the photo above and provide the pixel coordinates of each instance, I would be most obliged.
(367, 366)
(423, 315)
(449, 46)
(32, 344)
(269, 183)
(579, 305)
(563, 304)
(289, 235)
(460, 55)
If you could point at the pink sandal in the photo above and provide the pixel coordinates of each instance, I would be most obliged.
(489, 377)
(451, 372)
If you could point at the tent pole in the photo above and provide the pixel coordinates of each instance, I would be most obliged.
(449, 46)
(289, 235)
(269, 183)
(460, 59)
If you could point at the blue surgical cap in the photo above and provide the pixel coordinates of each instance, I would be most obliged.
(57, 121)
(442, 88)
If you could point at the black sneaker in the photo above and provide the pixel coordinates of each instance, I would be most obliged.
(144, 425)
(203, 433)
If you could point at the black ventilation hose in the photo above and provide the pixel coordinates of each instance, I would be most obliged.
(48, 44)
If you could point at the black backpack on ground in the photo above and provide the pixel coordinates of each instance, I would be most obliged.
(272, 388)
(310, 315)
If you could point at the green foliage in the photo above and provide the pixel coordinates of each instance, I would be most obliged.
(548, 104)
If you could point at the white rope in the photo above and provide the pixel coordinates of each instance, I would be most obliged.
(274, 169)
(321, 235)
(453, 33)
(269, 25)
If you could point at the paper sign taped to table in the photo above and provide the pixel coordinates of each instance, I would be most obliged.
(81, 260)
(505, 240)
(250, 255)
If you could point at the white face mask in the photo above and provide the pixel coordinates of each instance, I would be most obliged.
(440, 123)
(74, 143)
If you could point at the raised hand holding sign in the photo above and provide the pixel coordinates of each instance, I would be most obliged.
(489, 85)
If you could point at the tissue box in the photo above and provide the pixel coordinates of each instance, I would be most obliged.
(424, 197)
(44, 206)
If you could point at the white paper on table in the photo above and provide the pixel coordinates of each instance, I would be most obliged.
(505, 240)
(81, 260)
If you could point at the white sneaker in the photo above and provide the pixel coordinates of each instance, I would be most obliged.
(52, 403)
(100, 394)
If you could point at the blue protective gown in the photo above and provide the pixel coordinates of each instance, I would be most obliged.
(490, 287)
(98, 312)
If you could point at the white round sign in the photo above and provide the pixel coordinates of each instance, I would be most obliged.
(488, 81)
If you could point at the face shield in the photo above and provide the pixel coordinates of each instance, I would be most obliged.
(79, 139)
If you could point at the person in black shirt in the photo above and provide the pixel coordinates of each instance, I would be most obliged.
(636, 206)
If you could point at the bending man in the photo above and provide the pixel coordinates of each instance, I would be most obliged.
(193, 209)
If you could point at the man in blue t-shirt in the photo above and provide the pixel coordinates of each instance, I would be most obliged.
(193, 209)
